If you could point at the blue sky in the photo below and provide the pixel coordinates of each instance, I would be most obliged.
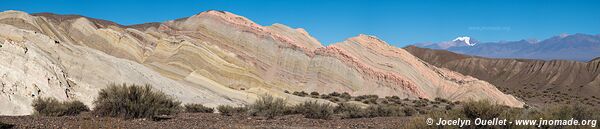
(399, 22)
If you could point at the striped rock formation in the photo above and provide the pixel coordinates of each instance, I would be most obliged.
(212, 58)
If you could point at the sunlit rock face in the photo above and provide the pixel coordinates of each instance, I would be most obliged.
(211, 58)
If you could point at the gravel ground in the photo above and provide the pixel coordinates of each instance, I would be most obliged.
(201, 121)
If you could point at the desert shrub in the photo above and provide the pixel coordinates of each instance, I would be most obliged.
(449, 107)
(75, 107)
(230, 110)
(384, 111)
(325, 96)
(367, 99)
(482, 109)
(346, 96)
(348, 110)
(315, 110)
(301, 94)
(52, 107)
(134, 102)
(408, 111)
(48, 107)
(195, 108)
(268, 106)
(314, 93)
(370, 101)
(576, 111)
(334, 94)
(421, 103)
(361, 97)
(335, 100)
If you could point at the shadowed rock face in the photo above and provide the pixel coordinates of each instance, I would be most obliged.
(212, 58)
(533, 80)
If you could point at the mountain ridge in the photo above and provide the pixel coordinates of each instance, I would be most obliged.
(213, 58)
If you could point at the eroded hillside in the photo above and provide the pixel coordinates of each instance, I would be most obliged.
(212, 58)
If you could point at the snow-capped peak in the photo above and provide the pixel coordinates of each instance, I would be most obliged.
(465, 39)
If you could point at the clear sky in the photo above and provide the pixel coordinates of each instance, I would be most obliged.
(399, 22)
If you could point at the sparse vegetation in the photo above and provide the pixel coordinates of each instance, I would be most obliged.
(384, 111)
(334, 94)
(315, 110)
(136, 101)
(52, 107)
(347, 110)
(230, 110)
(301, 94)
(268, 106)
(487, 110)
(133, 101)
(195, 108)
(314, 93)
(408, 107)
(482, 109)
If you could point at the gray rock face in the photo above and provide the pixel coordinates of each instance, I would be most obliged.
(211, 58)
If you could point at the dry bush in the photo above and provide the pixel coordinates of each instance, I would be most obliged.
(230, 110)
(442, 100)
(75, 107)
(348, 110)
(336, 94)
(384, 111)
(408, 111)
(314, 93)
(315, 110)
(52, 107)
(576, 111)
(268, 106)
(482, 109)
(198, 108)
(346, 96)
(134, 101)
(301, 94)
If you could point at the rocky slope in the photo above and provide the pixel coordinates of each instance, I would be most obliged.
(213, 58)
(538, 81)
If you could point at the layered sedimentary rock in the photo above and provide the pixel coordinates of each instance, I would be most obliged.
(212, 58)
(575, 80)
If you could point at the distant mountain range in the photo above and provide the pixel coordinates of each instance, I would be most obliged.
(579, 47)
